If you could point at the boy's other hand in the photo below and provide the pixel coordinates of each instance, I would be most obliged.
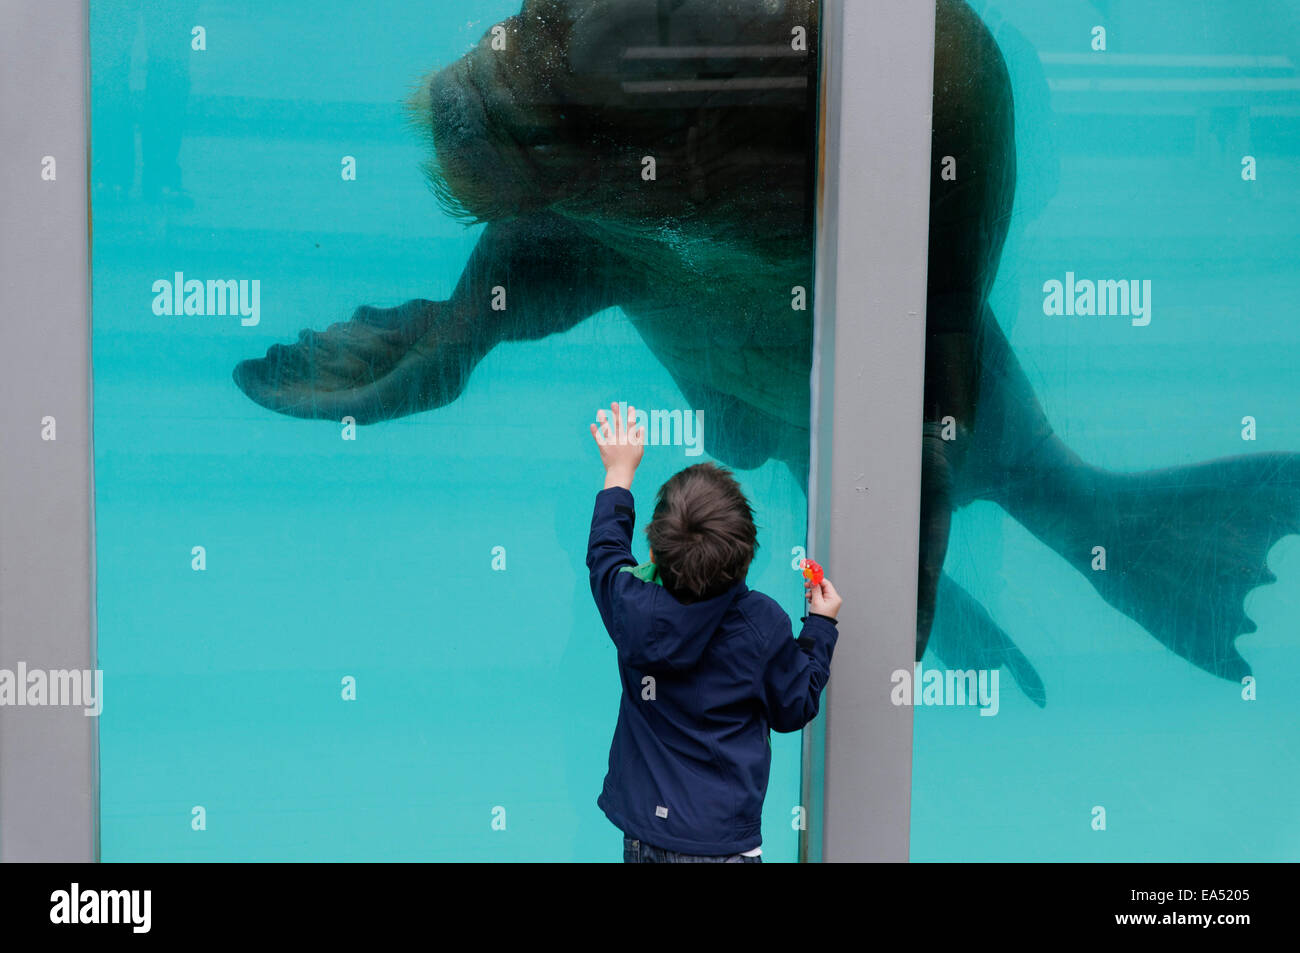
(621, 445)
(823, 598)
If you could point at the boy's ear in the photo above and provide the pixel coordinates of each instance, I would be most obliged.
(652, 554)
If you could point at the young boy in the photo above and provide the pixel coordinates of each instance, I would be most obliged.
(708, 665)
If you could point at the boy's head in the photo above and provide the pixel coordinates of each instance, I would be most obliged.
(702, 537)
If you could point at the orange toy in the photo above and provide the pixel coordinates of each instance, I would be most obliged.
(811, 571)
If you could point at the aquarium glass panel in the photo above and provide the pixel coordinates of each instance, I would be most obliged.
(1111, 484)
(363, 274)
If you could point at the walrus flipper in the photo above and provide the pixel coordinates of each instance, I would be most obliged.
(1183, 546)
(1175, 549)
(391, 362)
(964, 636)
(383, 363)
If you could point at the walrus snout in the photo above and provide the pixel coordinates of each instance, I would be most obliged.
(478, 170)
(559, 106)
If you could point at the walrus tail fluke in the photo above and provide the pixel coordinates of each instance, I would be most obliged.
(1175, 549)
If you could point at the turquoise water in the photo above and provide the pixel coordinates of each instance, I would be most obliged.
(481, 694)
(479, 689)
(1149, 137)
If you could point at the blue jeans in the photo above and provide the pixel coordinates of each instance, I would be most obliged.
(639, 852)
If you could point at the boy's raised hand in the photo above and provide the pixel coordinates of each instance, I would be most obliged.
(822, 597)
(621, 445)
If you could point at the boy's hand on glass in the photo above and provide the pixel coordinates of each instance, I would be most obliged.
(621, 445)
(823, 598)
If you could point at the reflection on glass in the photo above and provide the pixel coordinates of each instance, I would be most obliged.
(1109, 362)
(360, 626)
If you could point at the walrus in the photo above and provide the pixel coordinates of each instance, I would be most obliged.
(543, 132)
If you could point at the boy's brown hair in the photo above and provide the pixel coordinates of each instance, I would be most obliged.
(702, 532)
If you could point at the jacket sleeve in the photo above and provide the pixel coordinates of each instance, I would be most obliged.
(795, 672)
(609, 548)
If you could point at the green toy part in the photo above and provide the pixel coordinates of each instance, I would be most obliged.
(647, 572)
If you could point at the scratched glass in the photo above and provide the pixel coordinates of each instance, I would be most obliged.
(276, 250)
(1111, 412)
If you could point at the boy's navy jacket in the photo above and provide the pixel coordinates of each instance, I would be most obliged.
(689, 764)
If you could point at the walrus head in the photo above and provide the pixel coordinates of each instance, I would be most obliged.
(558, 106)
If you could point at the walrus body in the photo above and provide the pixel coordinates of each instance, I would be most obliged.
(544, 131)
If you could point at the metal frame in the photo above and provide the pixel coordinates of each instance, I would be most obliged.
(48, 771)
(864, 494)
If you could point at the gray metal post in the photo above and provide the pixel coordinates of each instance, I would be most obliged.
(48, 793)
(869, 345)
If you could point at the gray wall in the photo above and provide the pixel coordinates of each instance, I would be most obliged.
(48, 790)
(864, 499)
